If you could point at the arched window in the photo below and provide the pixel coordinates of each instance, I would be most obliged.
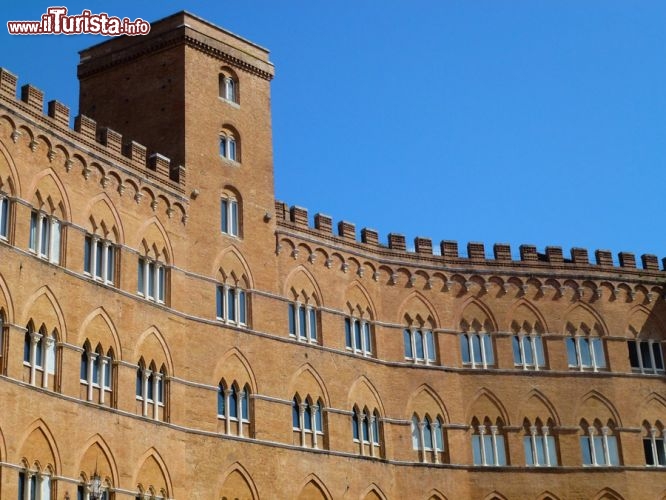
(366, 431)
(598, 444)
(654, 444)
(229, 215)
(528, 351)
(427, 438)
(307, 421)
(233, 408)
(488, 446)
(99, 259)
(39, 355)
(585, 351)
(96, 374)
(151, 279)
(45, 236)
(539, 444)
(231, 305)
(151, 390)
(358, 336)
(303, 322)
(229, 146)
(477, 349)
(35, 484)
(85, 488)
(419, 345)
(2, 335)
(4, 216)
(228, 87)
(646, 356)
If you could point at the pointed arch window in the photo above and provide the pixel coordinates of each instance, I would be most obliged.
(585, 352)
(233, 408)
(428, 438)
(34, 484)
(45, 236)
(231, 305)
(95, 374)
(151, 279)
(358, 336)
(303, 322)
(598, 444)
(477, 350)
(419, 345)
(488, 447)
(646, 356)
(229, 210)
(99, 259)
(528, 351)
(366, 431)
(4, 216)
(539, 444)
(151, 390)
(654, 445)
(39, 355)
(307, 421)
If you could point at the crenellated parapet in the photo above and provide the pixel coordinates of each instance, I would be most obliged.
(123, 150)
(552, 260)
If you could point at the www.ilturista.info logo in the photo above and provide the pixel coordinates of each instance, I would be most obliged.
(56, 21)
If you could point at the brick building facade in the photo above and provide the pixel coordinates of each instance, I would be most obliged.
(225, 348)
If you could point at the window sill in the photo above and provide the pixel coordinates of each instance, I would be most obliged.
(231, 103)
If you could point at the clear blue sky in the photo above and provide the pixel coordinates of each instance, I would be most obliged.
(521, 121)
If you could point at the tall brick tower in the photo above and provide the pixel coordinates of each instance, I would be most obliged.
(200, 96)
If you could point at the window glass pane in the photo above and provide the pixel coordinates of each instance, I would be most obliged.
(160, 388)
(552, 451)
(241, 304)
(110, 262)
(45, 488)
(368, 345)
(39, 352)
(234, 218)
(44, 243)
(33, 231)
(220, 401)
(21, 485)
(231, 304)
(220, 302)
(224, 216)
(348, 337)
(357, 334)
(515, 343)
(292, 319)
(99, 250)
(572, 358)
(633, 354)
(599, 356)
(464, 349)
(585, 353)
(439, 439)
(26, 347)
(416, 435)
(418, 341)
(501, 452)
(233, 404)
(83, 370)
(476, 449)
(658, 357)
(375, 430)
(647, 449)
(319, 418)
(107, 373)
(55, 242)
(151, 381)
(540, 357)
(87, 247)
(4, 216)
(661, 451)
(139, 383)
(529, 455)
(50, 356)
(232, 149)
(488, 449)
(407, 339)
(364, 425)
(427, 435)
(527, 349)
(161, 281)
(140, 276)
(645, 355)
(307, 418)
(313, 324)
(599, 450)
(151, 279)
(295, 415)
(95, 370)
(476, 348)
(223, 146)
(355, 425)
(301, 321)
(430, 345)
(613, 452)
(488, 349)
(33, 487)
(245, 406)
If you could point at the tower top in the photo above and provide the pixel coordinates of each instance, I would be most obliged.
(176, 29)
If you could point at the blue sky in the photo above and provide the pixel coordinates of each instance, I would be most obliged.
(522, 121)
